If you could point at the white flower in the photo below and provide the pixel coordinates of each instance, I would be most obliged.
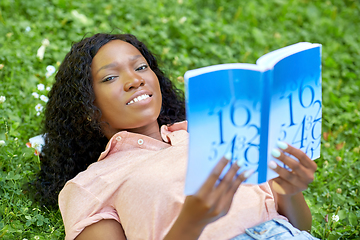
(335, 218)
(36, 237)
(41, 87)
(182, 20)
(45, 42)
(39, 107)
(47, 74)
(51, 69)
(2, 99)
(27, 29)
(36, 95)
(2, 142)
(41, 52)
(44, 98)
(80, 17)
(38, 114)
(48, 88)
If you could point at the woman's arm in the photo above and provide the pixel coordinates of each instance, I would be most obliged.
(295, 209)
(108, 229)
(288, 187)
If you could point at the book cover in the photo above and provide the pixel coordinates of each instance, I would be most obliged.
(246, 108)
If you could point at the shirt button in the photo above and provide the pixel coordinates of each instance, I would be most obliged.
(140, 141)
(118, 138)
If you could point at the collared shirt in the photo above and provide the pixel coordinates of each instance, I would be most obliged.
(139, 182)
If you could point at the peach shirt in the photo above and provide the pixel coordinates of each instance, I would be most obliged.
(139, 182)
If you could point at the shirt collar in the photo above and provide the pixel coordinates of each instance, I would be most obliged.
(127, 141)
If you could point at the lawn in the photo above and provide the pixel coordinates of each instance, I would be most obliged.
(185, 34)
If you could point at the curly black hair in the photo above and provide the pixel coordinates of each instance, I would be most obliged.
(73, 136)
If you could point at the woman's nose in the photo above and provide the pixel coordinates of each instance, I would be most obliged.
(133, 81)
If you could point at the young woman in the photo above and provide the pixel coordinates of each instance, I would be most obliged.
(115, 134)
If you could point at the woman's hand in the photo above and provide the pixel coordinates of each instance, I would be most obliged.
(210, 203)
(301, 174)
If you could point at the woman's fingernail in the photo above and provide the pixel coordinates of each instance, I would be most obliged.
(282, 145)
(275, 153)
(228, 156)
(272, 164)
(248, 173)
(240, 162)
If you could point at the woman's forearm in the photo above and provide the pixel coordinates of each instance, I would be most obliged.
(296, 210)
(183, 230)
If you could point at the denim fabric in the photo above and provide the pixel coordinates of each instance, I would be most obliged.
(275, 229)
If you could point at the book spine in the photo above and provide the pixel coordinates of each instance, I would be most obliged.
(264, 126)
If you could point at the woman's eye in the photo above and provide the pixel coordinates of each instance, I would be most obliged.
(108, 79)
(142, 67)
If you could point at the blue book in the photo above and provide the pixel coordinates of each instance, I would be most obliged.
(246, 108)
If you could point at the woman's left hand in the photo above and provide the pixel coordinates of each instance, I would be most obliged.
(300, 175)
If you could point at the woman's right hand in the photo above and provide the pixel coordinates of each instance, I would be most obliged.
(211, 202)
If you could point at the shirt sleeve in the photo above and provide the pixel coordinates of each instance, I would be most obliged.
(80, 208)
(270, 203)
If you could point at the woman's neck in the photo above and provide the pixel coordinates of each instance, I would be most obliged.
(151, 130)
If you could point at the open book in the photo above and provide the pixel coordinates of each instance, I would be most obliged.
(246, 108)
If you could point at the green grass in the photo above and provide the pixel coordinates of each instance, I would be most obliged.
(185, 34)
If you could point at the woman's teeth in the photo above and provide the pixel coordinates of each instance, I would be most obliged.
(139, 98)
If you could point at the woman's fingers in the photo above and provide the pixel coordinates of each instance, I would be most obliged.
(300, 155)
(213, 200)
(227, 181)
(295, 166)
(223, 194)
(214, 175)
(302, 171)
(290, 177)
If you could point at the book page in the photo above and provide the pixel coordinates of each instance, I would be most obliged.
(223, 112)
(296, 102)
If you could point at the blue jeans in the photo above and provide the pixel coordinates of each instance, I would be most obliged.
(275, 229)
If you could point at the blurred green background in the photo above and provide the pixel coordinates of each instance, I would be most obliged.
(185, 34)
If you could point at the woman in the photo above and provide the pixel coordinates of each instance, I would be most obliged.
(109, 88)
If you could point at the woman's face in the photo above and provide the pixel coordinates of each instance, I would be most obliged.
(126, 90)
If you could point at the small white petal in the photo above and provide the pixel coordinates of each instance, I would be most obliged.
(39, 107)
(27, 29)
(41, 52)
(2, 142)
(48, 88)
(2, 99)
(182, 20)
(50, 69)
(45, 42)
(335, 218)
(36, 95)
(41, 87)
(44, 98)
